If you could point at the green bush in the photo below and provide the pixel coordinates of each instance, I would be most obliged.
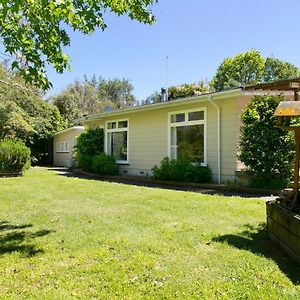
(104, 164)
(266, 150)
(14, 156)
(182, 170)
(89, 144)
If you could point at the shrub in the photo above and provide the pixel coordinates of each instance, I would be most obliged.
(182, 170)
(266, 150)
(89, 144)
(14, 156)
(104, 164)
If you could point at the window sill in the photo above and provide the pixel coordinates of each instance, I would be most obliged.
(122, 162)
(62, 151)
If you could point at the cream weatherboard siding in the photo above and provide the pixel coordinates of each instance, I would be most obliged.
(148, 133)
(63, 157)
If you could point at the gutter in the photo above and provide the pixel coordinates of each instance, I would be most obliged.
(218, 135)
(166, 104)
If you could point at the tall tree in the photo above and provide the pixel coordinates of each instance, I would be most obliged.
(251, 67)
(276, 69)
(34, 33)
(25, 116)
(91, 96)
(116, 91)
(242, 69)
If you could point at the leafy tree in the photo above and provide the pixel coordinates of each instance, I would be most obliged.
(249, 68)
(180, 91)
(265, 149)
(92, 96)
(25, 116)
(34, 33)
(276, 69)
(242, 69)
(116, 91)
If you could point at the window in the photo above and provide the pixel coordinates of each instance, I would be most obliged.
(117, 140)
(187, 135)
(62, 146)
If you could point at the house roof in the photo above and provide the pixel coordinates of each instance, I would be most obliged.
(173, 103)
(69, 129)
(280, 85)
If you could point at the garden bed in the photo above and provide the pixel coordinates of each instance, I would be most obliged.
(149, 181)
(284, 229)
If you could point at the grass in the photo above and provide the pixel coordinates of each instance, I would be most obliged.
(68, 238)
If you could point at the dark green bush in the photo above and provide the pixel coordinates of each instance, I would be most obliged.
(266, 150)
(182, 170)
(14, 156)
(89, 144)
(104, 164)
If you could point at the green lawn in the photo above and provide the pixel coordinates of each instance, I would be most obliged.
(63, 237)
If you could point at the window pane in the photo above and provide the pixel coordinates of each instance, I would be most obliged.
(118, 145)
(189, 141)
(111, 125)
(122, 124)
(196, 115)
(178, 118)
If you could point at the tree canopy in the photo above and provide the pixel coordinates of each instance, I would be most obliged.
(249, 68)
(35, 32)
(91, 96)
(25, 116)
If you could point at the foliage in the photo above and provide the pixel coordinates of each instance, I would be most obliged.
(249, 68)
(92, 96)
(89, 144)
(25, 116)
(276, 69)
(180, 91)
(265, 149)
(188, 90)
(104, 164)
(14, 156)
(182, 170)
(34, 33)
(116, 91)
(242, 69)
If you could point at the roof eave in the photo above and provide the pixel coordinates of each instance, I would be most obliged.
(149, 107)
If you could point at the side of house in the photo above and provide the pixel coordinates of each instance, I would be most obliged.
(63, 146)
(206, 128)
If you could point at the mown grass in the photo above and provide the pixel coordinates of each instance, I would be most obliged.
(68, 238)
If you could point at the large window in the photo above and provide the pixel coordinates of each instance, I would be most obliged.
(187, 135)
(117, 140)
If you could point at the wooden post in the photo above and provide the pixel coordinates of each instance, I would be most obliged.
(296, 168)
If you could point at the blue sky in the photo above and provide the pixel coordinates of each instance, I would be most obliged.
(196, 35)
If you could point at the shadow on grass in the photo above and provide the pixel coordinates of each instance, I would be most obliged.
(13, 238)
(255, 240)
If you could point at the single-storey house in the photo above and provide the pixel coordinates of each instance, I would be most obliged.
(63, 146)
(206, 127)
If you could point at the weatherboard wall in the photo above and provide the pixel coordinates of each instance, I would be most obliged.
(65, 158)
(148, 136)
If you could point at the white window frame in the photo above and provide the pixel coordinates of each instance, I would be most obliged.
(188, 123)
(62, 146)
(117, 129)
